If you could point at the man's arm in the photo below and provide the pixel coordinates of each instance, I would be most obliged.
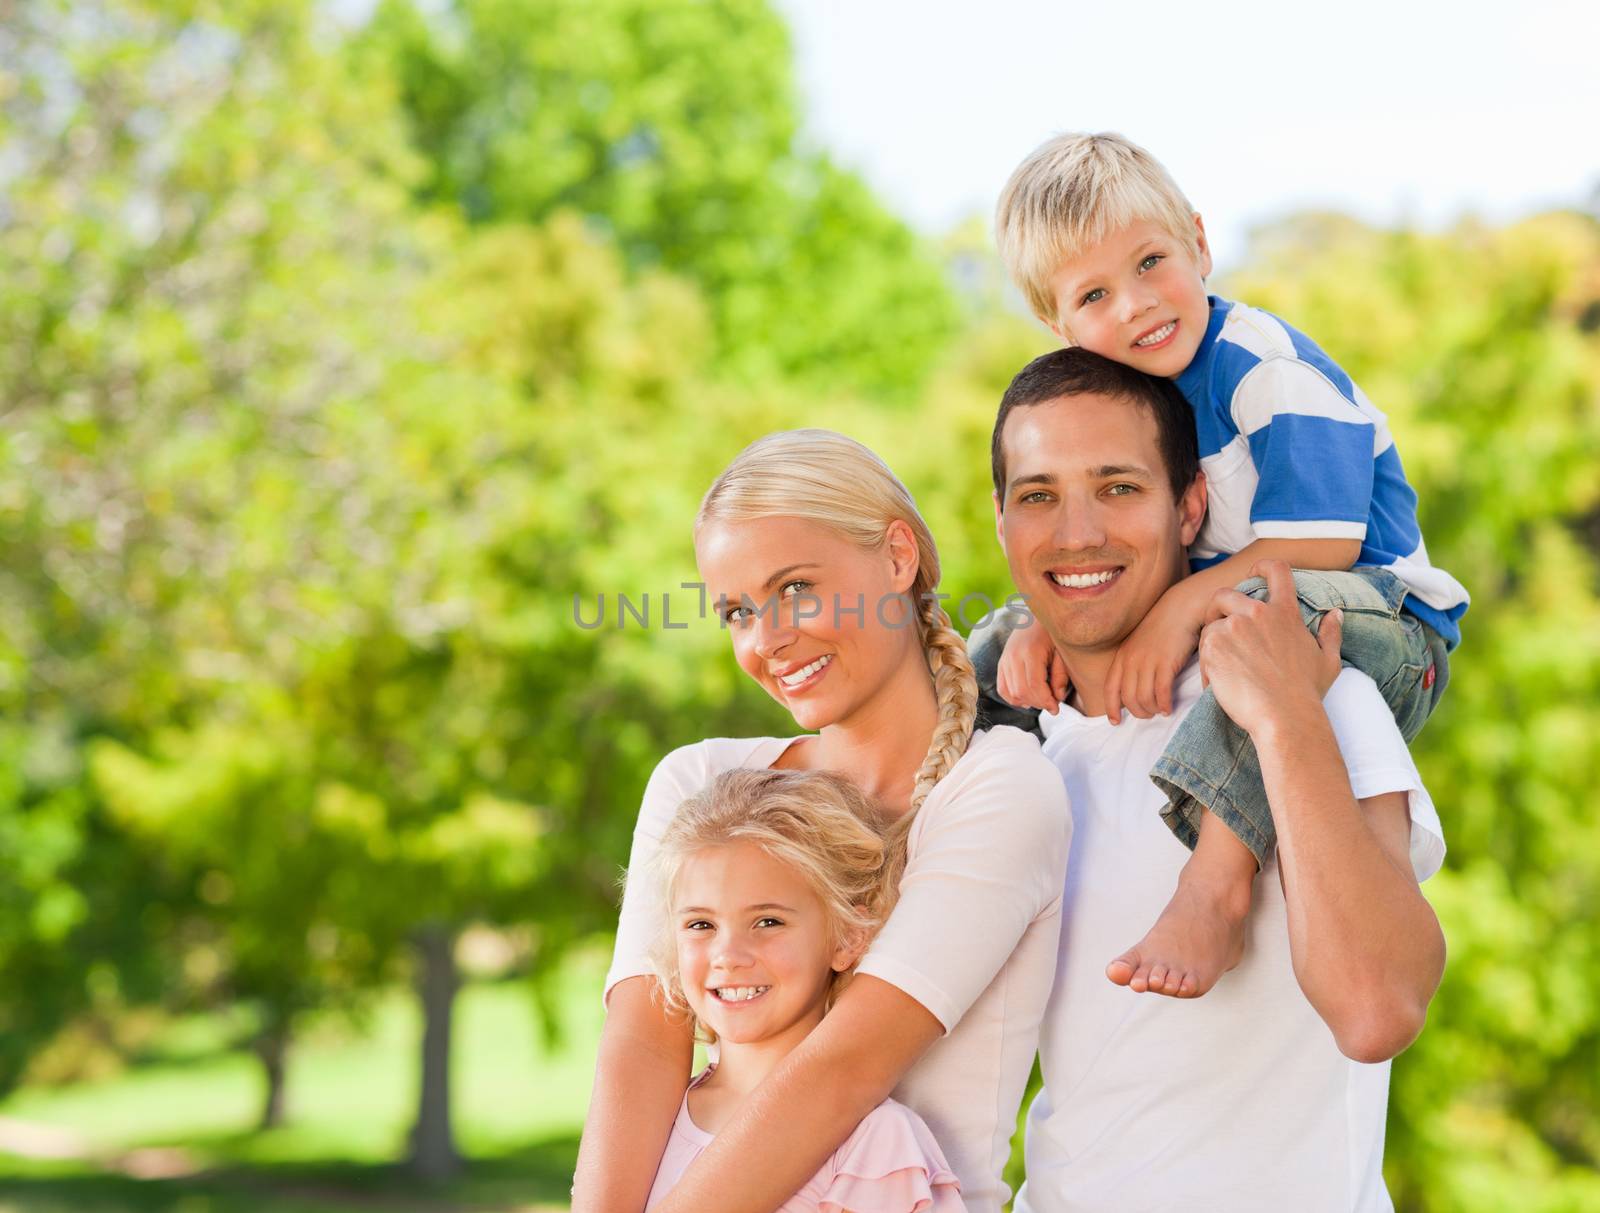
(1368, 950)
(1366, 945)
(639, 1080)
(818, 1094)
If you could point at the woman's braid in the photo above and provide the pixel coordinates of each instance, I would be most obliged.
(956, 689)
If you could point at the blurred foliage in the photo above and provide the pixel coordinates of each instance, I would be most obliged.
(1484, 348)
(672, 129)
(343, 371)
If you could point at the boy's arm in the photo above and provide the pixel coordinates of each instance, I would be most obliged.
(989, 644)
(1366, 946)
(1312, 450)
(639, 1080)
(819, 1093)
(1148, 661)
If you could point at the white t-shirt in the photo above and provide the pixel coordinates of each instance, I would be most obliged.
(973, 937)
(1236, 1101)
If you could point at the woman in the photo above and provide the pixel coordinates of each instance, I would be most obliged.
(825, 573)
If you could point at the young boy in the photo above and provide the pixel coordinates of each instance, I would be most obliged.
(1299, 467)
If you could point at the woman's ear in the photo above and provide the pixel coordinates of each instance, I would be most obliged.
(901, 545)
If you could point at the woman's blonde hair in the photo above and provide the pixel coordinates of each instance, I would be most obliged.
(1071, 193)
(836, 482)
(818, 823)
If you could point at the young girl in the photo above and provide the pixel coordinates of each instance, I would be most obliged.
(770, 885)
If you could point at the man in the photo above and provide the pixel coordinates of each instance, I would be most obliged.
(1271, 1090)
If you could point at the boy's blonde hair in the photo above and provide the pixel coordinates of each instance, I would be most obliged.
(847, 850)
(823, 477)
(1070, 194)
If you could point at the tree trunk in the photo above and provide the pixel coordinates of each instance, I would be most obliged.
(272, 1049)
(433, 1148)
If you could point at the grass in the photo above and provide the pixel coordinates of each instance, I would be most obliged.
(350, 1098)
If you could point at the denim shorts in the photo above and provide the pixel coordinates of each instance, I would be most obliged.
(1210, 762)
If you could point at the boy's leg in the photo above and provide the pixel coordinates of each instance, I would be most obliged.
(1210, 762)
(984, 646)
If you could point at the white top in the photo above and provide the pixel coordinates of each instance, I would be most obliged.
(1238, 1100)
(973, 938)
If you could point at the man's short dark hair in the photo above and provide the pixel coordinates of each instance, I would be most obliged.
(1077, 372)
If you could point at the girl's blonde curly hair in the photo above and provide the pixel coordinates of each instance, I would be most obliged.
(816, 822)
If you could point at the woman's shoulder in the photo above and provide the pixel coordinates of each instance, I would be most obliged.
(1007, 760)
(687, 769)
(698, 761)
(1005, 789)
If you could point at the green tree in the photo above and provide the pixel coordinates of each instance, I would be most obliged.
(1482, 345)
(672, 128)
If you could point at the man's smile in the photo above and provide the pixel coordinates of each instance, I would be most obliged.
(1083, 579)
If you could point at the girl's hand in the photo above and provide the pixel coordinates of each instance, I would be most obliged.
(1148, 661)
(1031, 674)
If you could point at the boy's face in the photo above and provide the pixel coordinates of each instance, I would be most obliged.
(1138, 297)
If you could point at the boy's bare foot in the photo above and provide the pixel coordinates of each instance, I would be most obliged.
(1200, 935)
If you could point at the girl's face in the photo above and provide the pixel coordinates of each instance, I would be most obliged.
(754, 952)
(820, 623)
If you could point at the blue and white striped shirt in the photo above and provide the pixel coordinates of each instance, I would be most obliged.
(1292, 449)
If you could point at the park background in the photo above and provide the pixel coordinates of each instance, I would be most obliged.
(350, 351)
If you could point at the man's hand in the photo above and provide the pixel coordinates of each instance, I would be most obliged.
(1031, 673)
(1148, 661)
(1258, 657)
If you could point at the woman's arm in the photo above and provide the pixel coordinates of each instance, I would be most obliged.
(786, 1129)
(639, 1080)
(987, 861)
(645, 1053)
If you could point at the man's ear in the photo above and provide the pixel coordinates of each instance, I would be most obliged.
(999, 521)
(1192, 508)
(901, 545)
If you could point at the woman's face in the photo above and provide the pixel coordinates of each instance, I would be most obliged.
(820, 623)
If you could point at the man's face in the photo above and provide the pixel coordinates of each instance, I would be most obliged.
(1088, 521)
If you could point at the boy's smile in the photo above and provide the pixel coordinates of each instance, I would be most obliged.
(1138, 296)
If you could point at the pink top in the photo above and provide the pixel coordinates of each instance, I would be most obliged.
(889, 1164)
